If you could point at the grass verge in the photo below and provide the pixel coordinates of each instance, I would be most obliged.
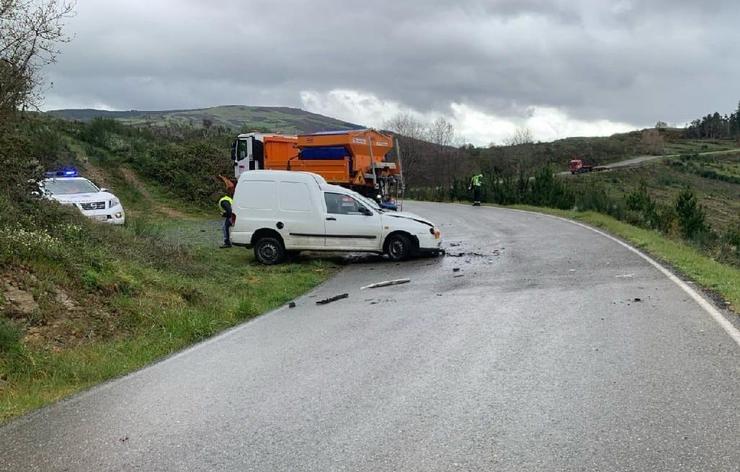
(710, 274)
(149, 290)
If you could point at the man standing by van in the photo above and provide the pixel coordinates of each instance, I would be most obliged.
(224, 204)
(475, 184)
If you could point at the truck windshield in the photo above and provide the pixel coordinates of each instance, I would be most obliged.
(69, 186)
(240, 149)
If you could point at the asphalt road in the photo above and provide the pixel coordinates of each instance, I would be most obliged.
(535, 355)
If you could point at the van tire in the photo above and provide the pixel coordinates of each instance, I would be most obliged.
(269, 251)
(398, 247)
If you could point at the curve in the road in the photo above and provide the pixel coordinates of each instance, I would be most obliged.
(729, 328)
(526, 348)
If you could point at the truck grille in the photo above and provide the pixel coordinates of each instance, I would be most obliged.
(93, 206)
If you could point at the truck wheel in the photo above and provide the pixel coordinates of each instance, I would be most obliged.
(398, 247)
(269, 251)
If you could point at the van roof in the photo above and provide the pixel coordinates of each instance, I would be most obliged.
(282, 175)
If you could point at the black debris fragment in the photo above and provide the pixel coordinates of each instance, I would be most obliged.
(332, 299)
(291, 305)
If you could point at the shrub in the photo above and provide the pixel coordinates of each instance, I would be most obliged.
(593, 198)
(641, 203)
(690, 214)
(10, 337)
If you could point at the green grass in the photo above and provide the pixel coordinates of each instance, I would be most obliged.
(720, 278)
(139, 307)
(710, 175)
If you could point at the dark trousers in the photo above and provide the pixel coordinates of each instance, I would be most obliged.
(227, 225)
(476, 193)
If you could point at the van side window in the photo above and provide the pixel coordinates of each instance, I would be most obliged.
(339, 204)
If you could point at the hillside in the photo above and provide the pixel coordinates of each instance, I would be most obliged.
(714, 177)
(231, 117)
(82, 302)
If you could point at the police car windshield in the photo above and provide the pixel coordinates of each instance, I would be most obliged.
(69, 186)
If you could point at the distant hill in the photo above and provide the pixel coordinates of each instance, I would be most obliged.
(236, 117)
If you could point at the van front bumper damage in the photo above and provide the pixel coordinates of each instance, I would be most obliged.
(430, 242)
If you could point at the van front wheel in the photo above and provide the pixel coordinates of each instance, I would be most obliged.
(398, 247)
(269, 251)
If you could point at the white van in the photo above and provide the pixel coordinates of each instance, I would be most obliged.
(283, 212)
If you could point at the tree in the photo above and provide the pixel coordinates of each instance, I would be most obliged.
(30, 33)
(690, 214)
(522, 135)
(411, 133)
(406, 125)
(441, 132)
(661, 125)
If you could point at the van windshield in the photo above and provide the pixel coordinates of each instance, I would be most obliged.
(367, 201)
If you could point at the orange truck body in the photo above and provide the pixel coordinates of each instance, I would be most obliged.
(354, 158)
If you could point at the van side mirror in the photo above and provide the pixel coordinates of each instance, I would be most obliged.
(103, 189)
(365, 211)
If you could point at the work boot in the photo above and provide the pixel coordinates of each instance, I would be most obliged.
(225, 246)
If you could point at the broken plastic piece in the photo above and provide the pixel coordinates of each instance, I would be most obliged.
(332, 299)
(386, 283)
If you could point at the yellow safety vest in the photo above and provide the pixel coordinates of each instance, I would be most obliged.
(225, 198)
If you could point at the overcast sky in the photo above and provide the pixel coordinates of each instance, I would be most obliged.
(561, 68)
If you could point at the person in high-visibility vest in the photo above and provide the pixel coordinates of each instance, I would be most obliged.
(475, 183)
(224, 204)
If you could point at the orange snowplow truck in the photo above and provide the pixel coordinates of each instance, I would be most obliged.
(358, 159)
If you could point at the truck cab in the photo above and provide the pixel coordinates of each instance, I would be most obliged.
(578, 166)
(259, 151)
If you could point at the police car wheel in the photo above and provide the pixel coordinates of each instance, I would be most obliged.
(269, 251)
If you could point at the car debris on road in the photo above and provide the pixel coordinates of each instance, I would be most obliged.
(332, 299)
(386, 283)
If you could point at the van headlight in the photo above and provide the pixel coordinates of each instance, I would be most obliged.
(113, 202)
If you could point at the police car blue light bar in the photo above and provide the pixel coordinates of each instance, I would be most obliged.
(64, 172)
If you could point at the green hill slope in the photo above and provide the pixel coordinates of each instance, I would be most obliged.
(234, 117)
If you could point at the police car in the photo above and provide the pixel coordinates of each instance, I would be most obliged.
(68, 188)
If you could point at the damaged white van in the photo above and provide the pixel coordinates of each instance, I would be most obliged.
(281, 212)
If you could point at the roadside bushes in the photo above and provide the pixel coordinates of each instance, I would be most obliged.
(10, 337)
(542, 189)
(691, 217)
(683, 218)
(187, 170)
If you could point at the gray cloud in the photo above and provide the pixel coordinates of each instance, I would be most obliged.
(627, 61)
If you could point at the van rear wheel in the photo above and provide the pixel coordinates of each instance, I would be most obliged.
(398, 247)
(269, 251)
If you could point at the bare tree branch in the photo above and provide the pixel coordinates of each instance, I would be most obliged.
(30, 35)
